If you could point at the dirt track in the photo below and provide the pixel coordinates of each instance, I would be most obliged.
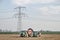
(16, 37)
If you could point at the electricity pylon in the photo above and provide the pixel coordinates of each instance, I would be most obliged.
(19, 17)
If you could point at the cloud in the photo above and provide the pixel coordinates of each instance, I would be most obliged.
(42, 1)
(51, 10)
(44, 10)
(21, 2)
(24, 2)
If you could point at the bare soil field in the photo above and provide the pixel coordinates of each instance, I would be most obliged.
(43, 37)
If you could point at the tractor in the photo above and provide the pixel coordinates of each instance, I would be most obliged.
(30, 33)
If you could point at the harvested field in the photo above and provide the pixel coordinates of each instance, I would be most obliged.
(16, 37)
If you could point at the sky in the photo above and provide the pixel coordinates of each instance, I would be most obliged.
(39, 14)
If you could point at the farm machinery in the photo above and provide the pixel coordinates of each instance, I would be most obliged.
(30, 33)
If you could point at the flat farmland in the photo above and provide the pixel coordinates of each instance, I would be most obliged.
(43, 37)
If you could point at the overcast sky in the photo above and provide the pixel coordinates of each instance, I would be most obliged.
(39, 14)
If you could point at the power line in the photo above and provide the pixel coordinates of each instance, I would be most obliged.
(19, 17)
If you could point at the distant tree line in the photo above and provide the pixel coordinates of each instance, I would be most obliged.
(4, 30)
(42, 32)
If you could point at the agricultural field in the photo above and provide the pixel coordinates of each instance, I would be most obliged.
(43, 37)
